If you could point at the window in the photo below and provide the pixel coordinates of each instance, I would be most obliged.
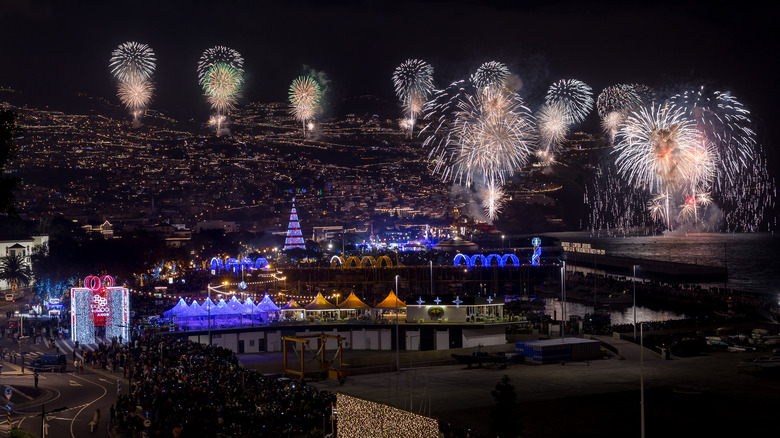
(251, 342)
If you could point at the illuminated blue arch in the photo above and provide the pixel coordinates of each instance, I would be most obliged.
(464, 257)
(231, 263)
(515, 260)
(490, 260)
(216, 264)
(247, 264)
(261, 263)
(479, 257)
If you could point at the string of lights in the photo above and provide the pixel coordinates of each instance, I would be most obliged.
(365, 419)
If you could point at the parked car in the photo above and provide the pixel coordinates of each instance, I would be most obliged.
(49, 362)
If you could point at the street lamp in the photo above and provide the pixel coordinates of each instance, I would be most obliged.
(397, 339)
(563, 299)
(502, 241)
(634, 282)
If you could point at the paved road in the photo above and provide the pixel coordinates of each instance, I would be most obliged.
(80, 394)
(600, 398)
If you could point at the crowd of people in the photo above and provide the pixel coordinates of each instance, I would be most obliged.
(194, 390)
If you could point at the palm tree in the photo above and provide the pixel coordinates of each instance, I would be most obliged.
(15, 270)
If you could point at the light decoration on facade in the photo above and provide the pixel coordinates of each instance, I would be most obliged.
(99, 304)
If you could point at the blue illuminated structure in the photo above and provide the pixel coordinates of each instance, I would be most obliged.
(486, 261)
(232, 264)
(537, 243)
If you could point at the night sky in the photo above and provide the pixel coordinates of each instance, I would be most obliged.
(52, 49)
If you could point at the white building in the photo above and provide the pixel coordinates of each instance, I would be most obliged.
(22, 246)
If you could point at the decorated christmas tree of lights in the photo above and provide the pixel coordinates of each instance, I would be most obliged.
(294, 236)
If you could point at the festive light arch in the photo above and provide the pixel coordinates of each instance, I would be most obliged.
(261, 263)
(336, 261)
(485, 262)
(464, 257)
(386, 259)
(491, 257)
(371, 262)
(231, 264)
(482, 259)
(216, 265)
(99, 304)
(350, 261)
(515, 260)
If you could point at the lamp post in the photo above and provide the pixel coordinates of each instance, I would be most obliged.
(397, 339)
(431, 262)
(502, 241)
(634, 281)
(563, 299)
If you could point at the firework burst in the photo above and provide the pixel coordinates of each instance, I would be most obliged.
(552, 120)
(219, 55)
(305, 95)
(221, 74)
(622, 98)
(221, 84)
(491, 75)
(133, 64)
(135, 94)
(132, 61)
(413, 82)
(575, 96)
(494, 134)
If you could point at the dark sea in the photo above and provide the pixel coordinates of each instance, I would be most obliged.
(752, 260)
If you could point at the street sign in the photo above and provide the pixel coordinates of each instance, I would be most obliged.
(8, 392)
(8, 407)
(147, 423)
(147, 415)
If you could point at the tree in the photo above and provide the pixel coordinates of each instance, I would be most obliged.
(15, 270)
(19, 433)
(8, 151)
(504, 415)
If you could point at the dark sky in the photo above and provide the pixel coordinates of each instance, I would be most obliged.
(51, 49)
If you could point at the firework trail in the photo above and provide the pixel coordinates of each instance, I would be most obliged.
(553, 121)
(413, 82)
(610, 124)
(491, 75)
(492, 200)
(575, 96)
(133, 64)
(440, 113)
(221, 73)
(132, 61)
(305, 95)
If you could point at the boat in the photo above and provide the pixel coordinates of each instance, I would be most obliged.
(770, 362)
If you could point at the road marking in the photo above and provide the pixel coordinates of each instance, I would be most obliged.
(74, 383)
(105, 391)
(104, 380)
